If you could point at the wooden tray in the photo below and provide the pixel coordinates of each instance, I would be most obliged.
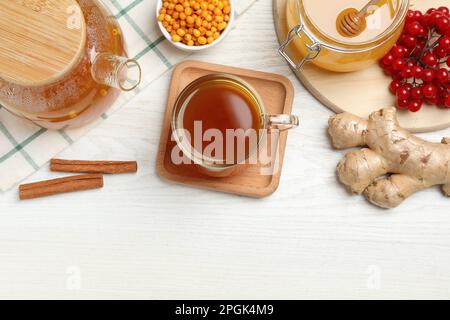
(277, 93)
(364, 91)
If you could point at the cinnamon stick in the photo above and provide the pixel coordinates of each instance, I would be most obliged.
(82, 166)
(60, 185)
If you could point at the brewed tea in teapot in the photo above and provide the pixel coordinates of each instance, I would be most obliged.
(62, 62)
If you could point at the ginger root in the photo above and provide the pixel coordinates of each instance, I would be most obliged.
(396, 163)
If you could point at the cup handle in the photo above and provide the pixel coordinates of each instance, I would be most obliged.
(282, 122)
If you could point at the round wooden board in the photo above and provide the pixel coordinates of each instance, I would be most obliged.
(364, 91)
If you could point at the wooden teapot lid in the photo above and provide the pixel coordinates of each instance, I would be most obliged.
(40, 40)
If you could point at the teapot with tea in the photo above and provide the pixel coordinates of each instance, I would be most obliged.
(62, 62)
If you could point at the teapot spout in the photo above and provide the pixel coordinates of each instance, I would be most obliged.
(116, 71)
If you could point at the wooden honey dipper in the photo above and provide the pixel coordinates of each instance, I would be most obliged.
(351, 23)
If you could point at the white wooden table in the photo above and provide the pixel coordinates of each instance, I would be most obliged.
(140, 237)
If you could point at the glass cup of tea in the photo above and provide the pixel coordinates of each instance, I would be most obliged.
(221, 126)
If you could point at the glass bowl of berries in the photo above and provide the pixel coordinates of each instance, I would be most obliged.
(420, 61)
(195, 25)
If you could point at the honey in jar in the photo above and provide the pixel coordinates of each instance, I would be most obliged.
(315, 38)
(379, 19)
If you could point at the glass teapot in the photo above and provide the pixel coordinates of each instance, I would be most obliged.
(62, 62)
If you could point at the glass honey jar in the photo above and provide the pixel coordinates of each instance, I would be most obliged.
(314, 33)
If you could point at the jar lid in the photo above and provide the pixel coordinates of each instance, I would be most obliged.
(40, 40)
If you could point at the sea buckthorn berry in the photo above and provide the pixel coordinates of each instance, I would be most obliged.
(176, 38)
(221, 26)
(181, 32)
(195, 22)
(190, 20)
(197, 33)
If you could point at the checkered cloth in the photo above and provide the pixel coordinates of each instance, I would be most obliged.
(25, 147)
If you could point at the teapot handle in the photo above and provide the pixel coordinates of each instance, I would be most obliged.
(116, 71)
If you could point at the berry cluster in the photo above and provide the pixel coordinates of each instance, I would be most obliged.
(419, 62)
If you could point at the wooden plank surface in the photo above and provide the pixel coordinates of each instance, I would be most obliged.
(140, 237)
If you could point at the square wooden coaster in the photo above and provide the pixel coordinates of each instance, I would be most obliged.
(277, 93)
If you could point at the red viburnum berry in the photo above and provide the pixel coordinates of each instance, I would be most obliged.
(419, 63)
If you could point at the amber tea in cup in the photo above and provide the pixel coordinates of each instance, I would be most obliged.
(219, 122)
